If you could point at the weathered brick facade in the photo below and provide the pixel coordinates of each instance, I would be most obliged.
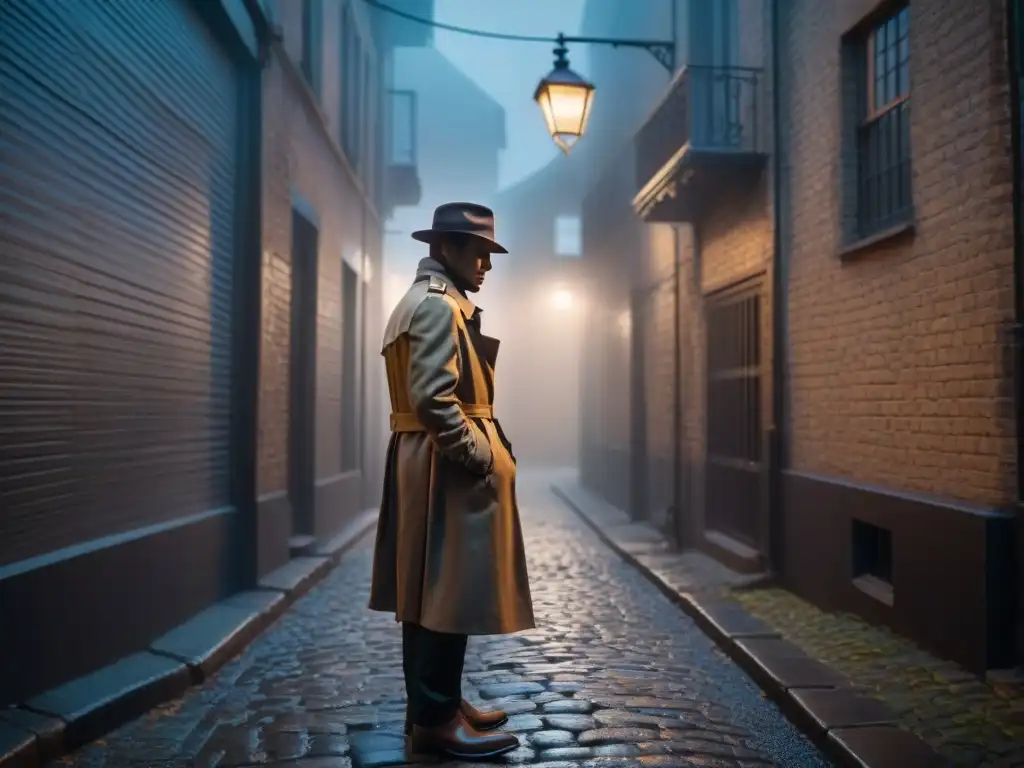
(897, 459)
(276, 305)
(899, 367)
(304, 166)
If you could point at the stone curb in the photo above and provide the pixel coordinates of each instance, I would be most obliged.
(62, 719)
(851, 729)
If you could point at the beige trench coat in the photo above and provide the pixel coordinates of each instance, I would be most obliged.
(449, 553)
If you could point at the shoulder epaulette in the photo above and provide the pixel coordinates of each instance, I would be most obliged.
(437, 285)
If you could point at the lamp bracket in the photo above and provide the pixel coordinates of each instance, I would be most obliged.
(663, 51)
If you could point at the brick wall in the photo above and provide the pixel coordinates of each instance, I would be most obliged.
(276, 304)
(899, 366)
(299, 159)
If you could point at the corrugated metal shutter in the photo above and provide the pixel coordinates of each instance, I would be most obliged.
(118, 152)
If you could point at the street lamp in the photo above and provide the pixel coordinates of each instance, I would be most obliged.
(564, 99)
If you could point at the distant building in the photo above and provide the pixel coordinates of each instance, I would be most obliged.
(323, 191)
(450, 156)
(458, 134)
(537, 309)
(819, 326)
(192, 261)
(626, 397)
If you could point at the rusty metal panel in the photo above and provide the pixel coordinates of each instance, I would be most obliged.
(118, 160)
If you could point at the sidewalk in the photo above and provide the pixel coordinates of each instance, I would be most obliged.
(886, 694)
(62, 719)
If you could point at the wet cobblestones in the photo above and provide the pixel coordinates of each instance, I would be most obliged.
(973, 723)
(614, 675)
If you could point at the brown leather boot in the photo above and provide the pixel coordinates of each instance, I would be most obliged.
(482, 721)
(460, 740)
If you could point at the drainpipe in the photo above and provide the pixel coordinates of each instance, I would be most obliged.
(777, 437)
(681, 510)
(1012, 20)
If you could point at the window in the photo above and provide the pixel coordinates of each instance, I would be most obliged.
(872, 560)
(350, 426)
(883, 135)
(345, 64)
(355, 101)
(351, 78)
(364, 116)
(568, 236)
(402, 150)
(310, 64)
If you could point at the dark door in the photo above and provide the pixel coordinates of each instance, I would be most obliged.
(733, 469)
(301, 450)
(351, 442)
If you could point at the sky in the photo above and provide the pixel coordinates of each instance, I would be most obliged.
(510, 70)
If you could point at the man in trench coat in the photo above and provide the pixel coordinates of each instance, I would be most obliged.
(449, 559)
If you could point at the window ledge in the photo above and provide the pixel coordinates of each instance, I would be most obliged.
(886, 235)
(879, 589)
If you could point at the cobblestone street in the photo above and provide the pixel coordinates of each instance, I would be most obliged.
(614, 675)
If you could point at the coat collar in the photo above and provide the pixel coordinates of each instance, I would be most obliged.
(429, 267)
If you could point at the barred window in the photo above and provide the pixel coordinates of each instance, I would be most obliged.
(883, 136)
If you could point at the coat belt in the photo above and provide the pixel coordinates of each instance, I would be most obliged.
(407, 422)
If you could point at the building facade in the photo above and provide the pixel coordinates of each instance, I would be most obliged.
(323, 118)
(822, 355)
(541, 295)
(898, 244)
(191, 264)
(622, 456)
(456, 158)
(453, 158)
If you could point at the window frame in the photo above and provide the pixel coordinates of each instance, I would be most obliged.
(345, 66)
(311, 58)
(871, 112)
(884, 196)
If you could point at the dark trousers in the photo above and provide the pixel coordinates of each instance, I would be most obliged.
(432, 663)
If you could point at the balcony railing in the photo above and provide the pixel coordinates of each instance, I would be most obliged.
(707, 110)
(403, 181)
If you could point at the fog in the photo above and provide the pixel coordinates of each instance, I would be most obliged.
(478, 136)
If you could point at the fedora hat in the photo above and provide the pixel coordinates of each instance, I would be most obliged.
(464, 218)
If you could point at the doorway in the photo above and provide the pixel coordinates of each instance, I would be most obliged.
(302, 386)
(733, 469)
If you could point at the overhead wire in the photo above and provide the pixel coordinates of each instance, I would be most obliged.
(461, 30)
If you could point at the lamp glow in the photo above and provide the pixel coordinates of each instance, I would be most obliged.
(625, 323)
(565, 100)
(563, 299)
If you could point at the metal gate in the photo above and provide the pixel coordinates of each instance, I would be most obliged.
(733, 465)
(119, 175)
